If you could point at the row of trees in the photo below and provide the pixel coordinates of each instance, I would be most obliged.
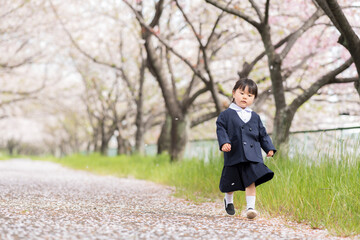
(276, 53)
(172, 63)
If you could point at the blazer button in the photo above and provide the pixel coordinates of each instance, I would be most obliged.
(242, 127)
(250, 129)
(244, 143)
(251, 145)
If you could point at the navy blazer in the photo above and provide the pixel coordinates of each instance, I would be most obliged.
(246, 139)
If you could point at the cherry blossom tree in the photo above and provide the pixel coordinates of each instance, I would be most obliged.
(259, 17)
(18, 52)
(348, 38)
(127, 61)
(201, 80)
(90, 71)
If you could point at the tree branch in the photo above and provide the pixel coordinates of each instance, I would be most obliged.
(289, 71)
(322, 81)
(344, 80)
(203, 118)
(27, 60)
(234, 12)
(267, 7)
(14, 9)
(323, 4)
(172, 76)
(213, 29)
(247, 67)
(158, 12)
(3, 103)
(257, 9)
(298, 33)
(197, 36)
(195, 95)
(123, 73)
(76, 45)
(150, 30)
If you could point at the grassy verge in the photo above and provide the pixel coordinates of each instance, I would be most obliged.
(324, 193)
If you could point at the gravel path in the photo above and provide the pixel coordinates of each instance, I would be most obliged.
(42, 200)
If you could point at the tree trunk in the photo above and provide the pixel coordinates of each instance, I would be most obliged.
(124, 146)
(164, 141)
(95, 139)
(179, 137)
(11, 150)
(103, 147)
(139, 136)
(12, 145)
(282, 122)
(88, 147)
(104, 143)
(281, 129)
(121, 149)
(174, 137)
(173, 106)
(176, 109)
(348, 38)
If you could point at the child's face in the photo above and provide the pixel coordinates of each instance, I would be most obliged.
(243, 98)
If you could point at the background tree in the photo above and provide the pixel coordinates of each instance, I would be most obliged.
(19, 52)
(201, 77)
(48, 64)
(121, 60)
(284, 112)
(348, 38)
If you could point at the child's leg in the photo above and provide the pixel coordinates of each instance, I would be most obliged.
(251, 190)
(250, 196)
(229, 205)
(250, 201)
(229, 197)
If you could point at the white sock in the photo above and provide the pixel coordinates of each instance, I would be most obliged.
(229, 198)
(250, 202)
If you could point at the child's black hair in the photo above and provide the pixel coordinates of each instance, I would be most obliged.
(246, 82)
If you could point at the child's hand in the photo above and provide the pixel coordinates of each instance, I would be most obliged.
(270, 153)
(226, 147)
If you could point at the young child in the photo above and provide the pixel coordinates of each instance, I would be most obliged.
(241, 136)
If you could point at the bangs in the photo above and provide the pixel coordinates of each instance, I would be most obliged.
(245, 82)
(251, 89)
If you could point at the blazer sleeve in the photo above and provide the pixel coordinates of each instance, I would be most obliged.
(265, 140)
(221, 130)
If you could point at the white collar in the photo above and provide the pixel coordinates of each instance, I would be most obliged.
(239, 109)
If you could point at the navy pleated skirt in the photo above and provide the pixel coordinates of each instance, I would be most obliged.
(240, 176)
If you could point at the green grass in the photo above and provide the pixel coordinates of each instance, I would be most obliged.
(5, 156)
(325, 194)
(322, 191)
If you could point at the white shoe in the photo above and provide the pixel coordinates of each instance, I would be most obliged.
(251, 213)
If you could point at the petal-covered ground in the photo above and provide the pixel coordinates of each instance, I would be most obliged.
(43, 200)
